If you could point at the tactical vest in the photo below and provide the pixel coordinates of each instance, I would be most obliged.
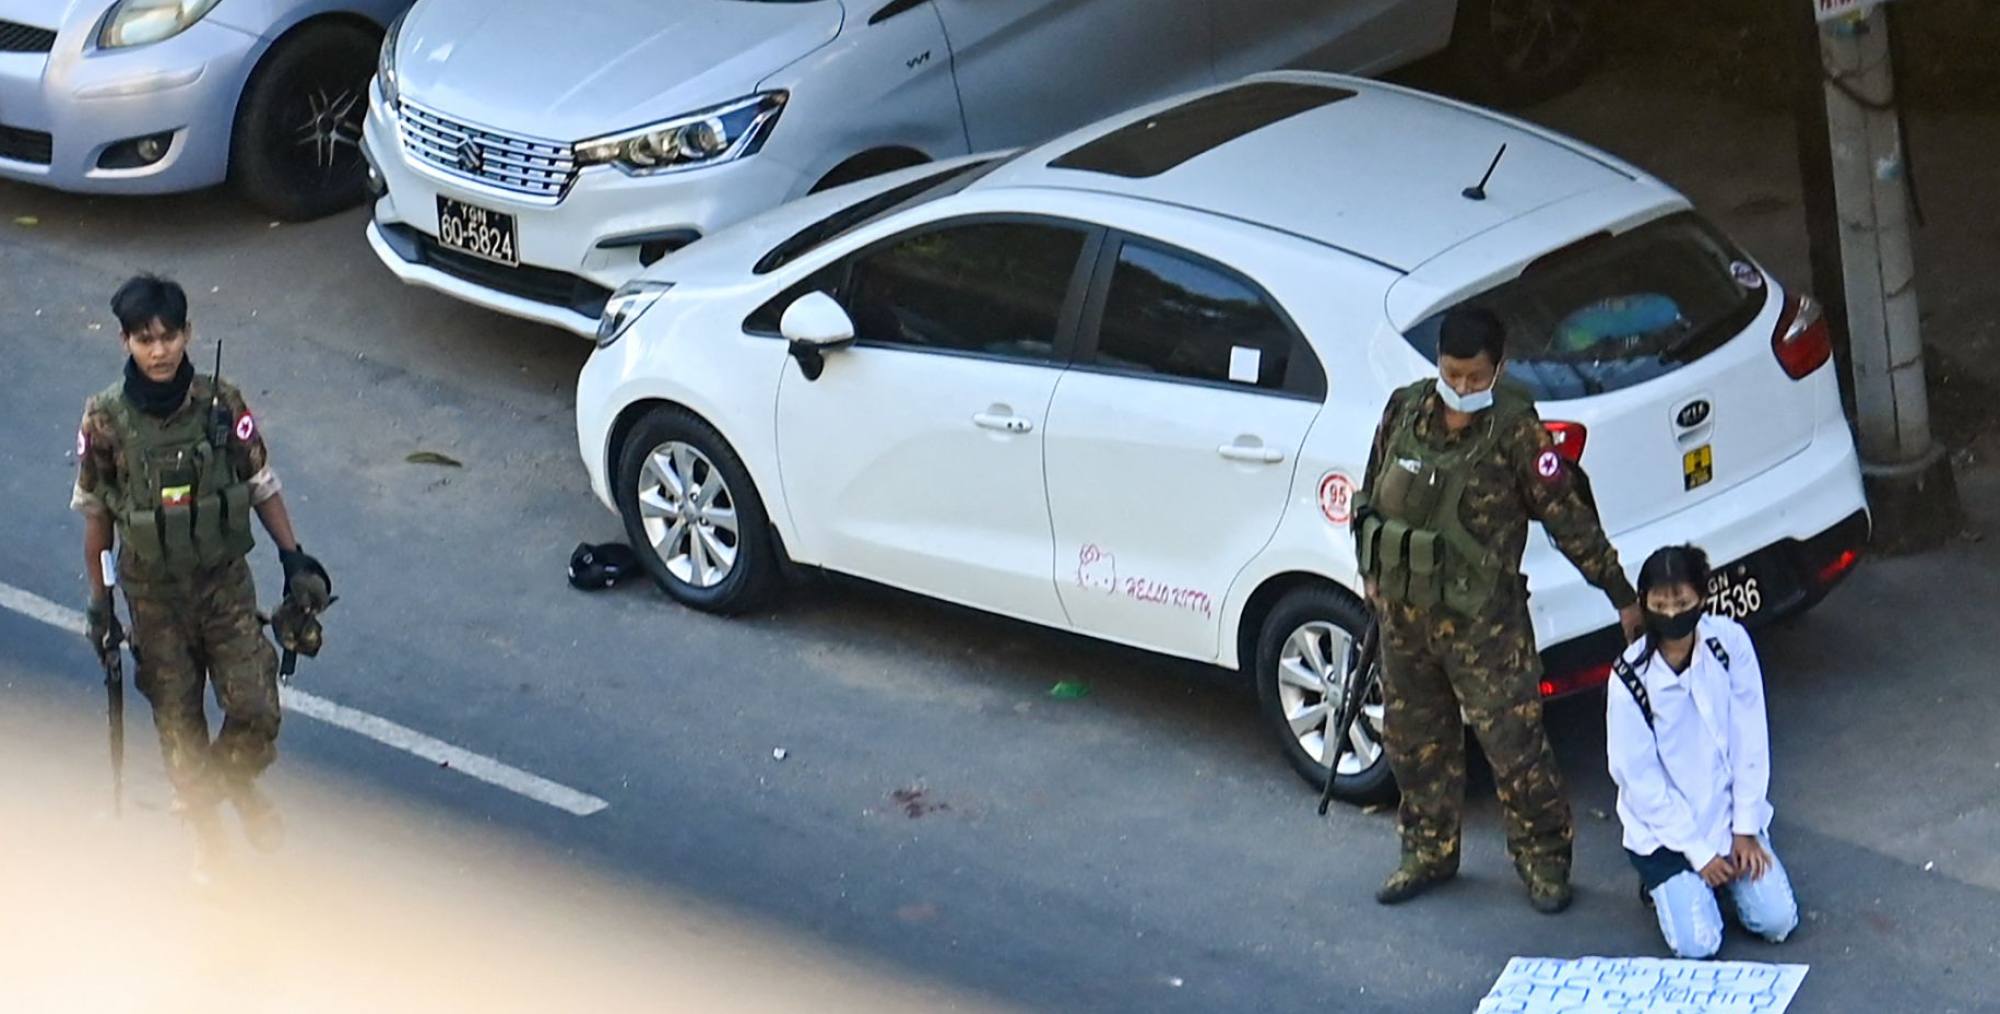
(1413, 542)
(179, 507)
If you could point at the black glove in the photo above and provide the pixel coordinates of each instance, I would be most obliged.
(306, 582)
(103, 629)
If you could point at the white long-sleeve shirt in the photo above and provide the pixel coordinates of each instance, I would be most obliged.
(1703, 771)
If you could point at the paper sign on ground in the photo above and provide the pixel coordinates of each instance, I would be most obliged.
(1641, 986)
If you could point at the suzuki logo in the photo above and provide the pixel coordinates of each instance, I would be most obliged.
(1693, 414)
(471, 157)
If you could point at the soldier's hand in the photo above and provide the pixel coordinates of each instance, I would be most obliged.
(306, 582)
(102, 626)
(1633, 621)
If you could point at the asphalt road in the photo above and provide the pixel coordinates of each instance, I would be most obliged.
(1143, 848)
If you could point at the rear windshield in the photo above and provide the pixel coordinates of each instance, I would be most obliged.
(1609, 312)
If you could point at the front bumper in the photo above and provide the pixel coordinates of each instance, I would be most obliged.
(60, 111)
(573, 252)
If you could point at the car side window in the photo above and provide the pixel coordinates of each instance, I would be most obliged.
(1181, 316)
(992, 288)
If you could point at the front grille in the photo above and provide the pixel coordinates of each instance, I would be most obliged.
(19, 38)
(26, 145)
(541, 285)
(519, 165)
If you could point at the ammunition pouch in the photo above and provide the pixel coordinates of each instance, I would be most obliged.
(179, 507)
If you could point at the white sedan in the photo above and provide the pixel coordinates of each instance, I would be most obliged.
(1124, 383)
(533, 156)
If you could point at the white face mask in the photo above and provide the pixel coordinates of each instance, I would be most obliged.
(1477, 401)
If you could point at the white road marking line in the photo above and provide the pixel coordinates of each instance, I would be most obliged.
(374, 727)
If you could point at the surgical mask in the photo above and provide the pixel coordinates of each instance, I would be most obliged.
(1673, 626)
(1477, 401)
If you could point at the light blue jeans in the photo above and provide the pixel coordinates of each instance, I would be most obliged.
(1691, 921)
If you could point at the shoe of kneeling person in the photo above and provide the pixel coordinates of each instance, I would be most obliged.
(1410, 880)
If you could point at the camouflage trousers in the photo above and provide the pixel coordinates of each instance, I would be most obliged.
(1435, 663)
(192, 634)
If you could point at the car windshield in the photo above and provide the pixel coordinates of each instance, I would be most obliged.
(888, 202)
(1609, 312)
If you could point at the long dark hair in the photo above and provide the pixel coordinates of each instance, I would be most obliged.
(1669, 566)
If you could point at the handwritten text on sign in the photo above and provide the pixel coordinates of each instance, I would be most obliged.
(1641, 986)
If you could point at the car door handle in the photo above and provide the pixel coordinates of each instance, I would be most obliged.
(1005, 422)
(1254, 453)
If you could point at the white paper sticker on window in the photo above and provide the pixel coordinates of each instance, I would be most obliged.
(1244, 363)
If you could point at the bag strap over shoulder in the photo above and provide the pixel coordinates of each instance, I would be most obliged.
(1637, 687)
(1722, 656)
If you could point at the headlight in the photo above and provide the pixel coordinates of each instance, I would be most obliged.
(707, 137)
(138, 22)
(625, 307)
(385, 65)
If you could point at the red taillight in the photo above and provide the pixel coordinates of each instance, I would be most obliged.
(1838, 567)
(1568, 438)
(1581, 679)
(1803, 342)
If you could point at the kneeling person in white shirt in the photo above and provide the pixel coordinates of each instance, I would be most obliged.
(1690, 751)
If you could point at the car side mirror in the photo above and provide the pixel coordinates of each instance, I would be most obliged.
(813, 325)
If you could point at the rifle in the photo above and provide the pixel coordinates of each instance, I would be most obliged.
(1360, 678)
(114, 685)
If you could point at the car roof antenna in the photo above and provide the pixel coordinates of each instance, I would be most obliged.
(1477, 192)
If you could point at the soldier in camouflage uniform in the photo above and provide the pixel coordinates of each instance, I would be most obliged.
(170, 466)
(1459, 467)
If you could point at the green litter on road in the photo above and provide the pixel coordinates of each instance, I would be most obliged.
(1069, 690)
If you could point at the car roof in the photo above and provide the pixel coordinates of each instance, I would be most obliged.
(1371, 168)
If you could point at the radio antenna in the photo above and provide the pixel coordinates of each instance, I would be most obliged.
(1477, 192)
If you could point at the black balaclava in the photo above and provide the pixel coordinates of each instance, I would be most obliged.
(155, 398)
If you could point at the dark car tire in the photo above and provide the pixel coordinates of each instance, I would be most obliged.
(753, 576)
(296, 148)
(1518, 52)
(1319, 610)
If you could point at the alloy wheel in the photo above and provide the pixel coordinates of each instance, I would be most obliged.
(1311, 668)
(689, 514)
(326, 130)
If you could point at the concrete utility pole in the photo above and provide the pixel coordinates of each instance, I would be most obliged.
(1911, 490)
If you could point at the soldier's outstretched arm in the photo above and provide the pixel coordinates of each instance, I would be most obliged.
(1549, 486)
(278, 521)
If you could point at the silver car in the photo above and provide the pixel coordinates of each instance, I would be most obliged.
(155, 96)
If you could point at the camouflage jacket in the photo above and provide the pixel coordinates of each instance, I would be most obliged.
(1523, 479)
(98, 442)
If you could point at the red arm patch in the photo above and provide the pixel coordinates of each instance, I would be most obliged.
(1549, 465)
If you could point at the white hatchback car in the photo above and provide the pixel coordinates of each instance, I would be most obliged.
(533, 156)
(1124, 383)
